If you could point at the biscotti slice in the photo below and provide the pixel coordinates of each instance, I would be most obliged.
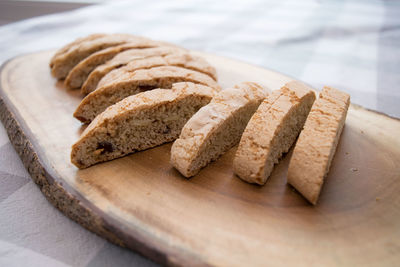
(183, 60)
(139, 122)
(131, 83)
(121, 60)
(316, 146)
(271, 131)
(180, 59)
(72, 45)
(63, 63)
(78, 75)
(216, 128)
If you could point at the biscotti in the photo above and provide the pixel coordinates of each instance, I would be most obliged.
(216, 127)
(121, 60)
(72, 45)
(316, 146)
(78, 74)
(183, 60)
(271, 131)
(134, 62)
(139, 122)
(131, 83)
(64, 62)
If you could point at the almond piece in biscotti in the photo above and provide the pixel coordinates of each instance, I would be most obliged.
(139, 122)
(130, 83)
(216, 127)
(271, 131)
(316, 146)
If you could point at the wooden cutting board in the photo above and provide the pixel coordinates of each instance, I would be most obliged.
(142, 203)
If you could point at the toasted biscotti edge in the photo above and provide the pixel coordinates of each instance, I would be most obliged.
(271, 131)
(105, 123)
(316, 146)
(204, 132)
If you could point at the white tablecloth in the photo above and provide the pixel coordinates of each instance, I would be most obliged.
(351, 45)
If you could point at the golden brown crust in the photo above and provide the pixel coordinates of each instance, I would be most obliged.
(317, 143)
(271, 131)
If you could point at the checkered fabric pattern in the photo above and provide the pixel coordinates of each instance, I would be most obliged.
(350, 45)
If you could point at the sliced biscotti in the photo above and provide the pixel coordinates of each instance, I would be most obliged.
(64, 62)
(271, 131)
(72, 45)
(121, 60)
(131, 83)
(78, 75)
(139, 122)
(180, 59)
(216, 128)
(316, 146)
(183, 60)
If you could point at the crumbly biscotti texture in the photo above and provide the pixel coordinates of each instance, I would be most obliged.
(316, 146)
(216, 128)
(64, 62)
(139, 122)
(121, 60)
(78, 74)
(131, 83)
(271, 131)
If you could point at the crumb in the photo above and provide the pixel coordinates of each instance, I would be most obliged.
(362, 131)
(378, 198)
(353, 169)
(347, 153)
(148, 193)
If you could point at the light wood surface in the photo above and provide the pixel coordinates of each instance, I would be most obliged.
(141, 202)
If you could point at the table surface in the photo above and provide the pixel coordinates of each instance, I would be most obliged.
(350, 45)
(16, 10)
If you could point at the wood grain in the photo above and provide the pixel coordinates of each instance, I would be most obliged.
(141, 202)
